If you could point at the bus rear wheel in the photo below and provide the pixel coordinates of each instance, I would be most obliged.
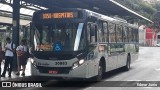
(128, 64)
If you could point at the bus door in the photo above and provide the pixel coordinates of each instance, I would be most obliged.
(92, 39)
(113, 54)
(121, 54)
(120, 45)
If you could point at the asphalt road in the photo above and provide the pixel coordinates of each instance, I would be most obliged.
(143, 71)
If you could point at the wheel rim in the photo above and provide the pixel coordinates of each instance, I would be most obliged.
(99, 73)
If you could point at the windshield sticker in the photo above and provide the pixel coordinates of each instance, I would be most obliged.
(58, 47)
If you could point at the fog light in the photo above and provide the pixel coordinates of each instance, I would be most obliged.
(78, 63)
(75, 65)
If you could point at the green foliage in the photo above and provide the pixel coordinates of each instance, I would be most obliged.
(145, 9)
(139, 6)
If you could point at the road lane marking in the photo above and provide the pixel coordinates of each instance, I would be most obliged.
(158, 69)
(147, 87)
(134, 80)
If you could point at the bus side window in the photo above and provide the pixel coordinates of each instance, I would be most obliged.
(88, 33)
(92, 33)
(100, 32)
(112, 32)
(119, 33)
(137, 35)
(130, 34)
(105, 29)
(125, 34)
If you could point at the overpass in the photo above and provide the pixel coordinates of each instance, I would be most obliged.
(106, 7)
(8, 21)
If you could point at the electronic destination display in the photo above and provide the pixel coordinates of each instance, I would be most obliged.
(60, 15)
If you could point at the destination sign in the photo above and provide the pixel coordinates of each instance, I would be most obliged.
(60, 15)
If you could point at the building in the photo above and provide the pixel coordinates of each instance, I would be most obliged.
(147, 37)
(158, 37)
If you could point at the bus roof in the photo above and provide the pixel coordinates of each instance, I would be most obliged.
(101, 16)
(91, 13)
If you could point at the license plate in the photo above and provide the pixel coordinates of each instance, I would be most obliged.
(52, 72)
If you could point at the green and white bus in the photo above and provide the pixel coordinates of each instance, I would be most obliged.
(78, 43)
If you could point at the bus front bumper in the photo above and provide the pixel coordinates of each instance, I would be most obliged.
(79, 72)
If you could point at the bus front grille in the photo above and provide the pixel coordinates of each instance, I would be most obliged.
(60, 70)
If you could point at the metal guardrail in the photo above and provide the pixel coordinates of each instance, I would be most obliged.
(148, 42)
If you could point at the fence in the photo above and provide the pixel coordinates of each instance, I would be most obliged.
(147, 42)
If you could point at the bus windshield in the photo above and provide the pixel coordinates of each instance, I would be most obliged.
(59, 37)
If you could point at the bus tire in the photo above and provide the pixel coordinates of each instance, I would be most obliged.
(100, 72)
(128, 64)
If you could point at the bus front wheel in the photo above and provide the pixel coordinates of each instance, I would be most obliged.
(100, 72)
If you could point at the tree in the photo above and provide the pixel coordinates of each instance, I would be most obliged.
(141, 7)
(156, 17)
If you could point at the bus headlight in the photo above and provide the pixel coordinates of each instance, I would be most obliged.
(81, 61)
(78, 63)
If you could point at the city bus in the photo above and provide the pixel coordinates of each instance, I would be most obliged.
(79, 43)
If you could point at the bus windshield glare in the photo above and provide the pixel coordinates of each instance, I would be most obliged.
(59, 37)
